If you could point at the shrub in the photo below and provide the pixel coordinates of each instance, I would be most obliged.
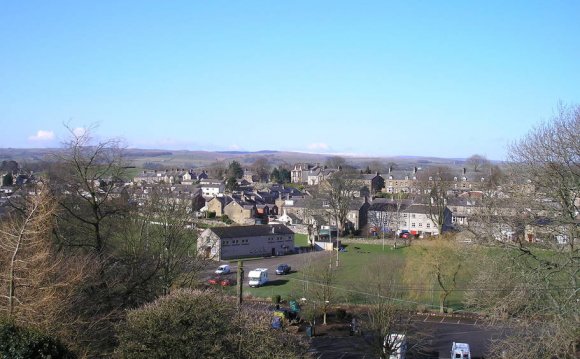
(210, 214)
(202, 324)
(22, 343)
(422, 308)
(276, 299)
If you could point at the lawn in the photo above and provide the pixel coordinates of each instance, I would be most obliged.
(356, 269)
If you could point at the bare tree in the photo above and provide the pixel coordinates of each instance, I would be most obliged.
(542, 192)
(338, 192)
(174, 239)
(477, 162)
(335, 162)
(320, 292)
(84, 181)
(216, 170)
(387, 316)
(434, 184)
(262, 167)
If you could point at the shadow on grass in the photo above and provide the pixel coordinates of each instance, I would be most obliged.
(277, 282)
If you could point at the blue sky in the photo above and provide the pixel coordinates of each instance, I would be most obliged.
(384, 78)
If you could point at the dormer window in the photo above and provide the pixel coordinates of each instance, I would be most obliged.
(430, 178)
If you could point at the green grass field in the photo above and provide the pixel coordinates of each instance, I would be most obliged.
(357, 266)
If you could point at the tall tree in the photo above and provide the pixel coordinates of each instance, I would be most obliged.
(85, 178)
(441, 266)
(477, 162)
(262, 167)
(173, 239)
(235, 170)
(216, 170)
(321, 278)
(338, 192)
(434, 184)
(38, 283)
(387, 319)
(540, 203)
(335, 162)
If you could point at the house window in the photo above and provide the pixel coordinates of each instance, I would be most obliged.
(428, 225)
(413, 215)
(420, 224)
(405, 215)
(412, 224)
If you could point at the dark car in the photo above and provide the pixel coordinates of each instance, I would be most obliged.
(283, 269)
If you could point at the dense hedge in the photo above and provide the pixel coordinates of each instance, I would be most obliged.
(23, 343)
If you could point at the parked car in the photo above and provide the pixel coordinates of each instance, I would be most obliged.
(283, 269)
(226, 282)
(223, 269)
(404, 234)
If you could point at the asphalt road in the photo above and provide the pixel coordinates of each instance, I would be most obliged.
(296, 261)
(439, 334)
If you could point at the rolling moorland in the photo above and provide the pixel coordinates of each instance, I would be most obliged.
(141, 158)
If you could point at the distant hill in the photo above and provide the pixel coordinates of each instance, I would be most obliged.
(191, 159)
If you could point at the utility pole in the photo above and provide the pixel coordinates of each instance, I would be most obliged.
(240, 279)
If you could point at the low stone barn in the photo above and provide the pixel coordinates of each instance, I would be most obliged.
(226, 243)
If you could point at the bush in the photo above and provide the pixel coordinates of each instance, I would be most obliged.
(22, 343)
(276, 299)
(422, 308)
(211, 214)
(202, 324)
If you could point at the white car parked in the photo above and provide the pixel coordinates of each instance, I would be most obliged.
(223, 269)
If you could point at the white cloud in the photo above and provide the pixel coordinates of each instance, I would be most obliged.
(318, 146)
(42, 135)
(235, 147)
(79, 131)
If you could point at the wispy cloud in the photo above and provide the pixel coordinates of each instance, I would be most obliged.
(42, 135)
(318, 146)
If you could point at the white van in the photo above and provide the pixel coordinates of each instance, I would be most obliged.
(460, 351)
(258, 277)
(223, 269)
(398, 344)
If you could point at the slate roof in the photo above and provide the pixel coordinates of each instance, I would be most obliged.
(389, 206)
(250, 231)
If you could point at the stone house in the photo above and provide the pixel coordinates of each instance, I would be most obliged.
(227, 243)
